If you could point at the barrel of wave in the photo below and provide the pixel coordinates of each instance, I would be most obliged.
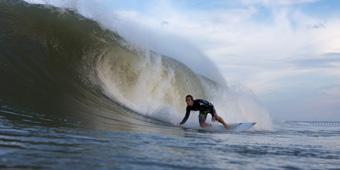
(155, 86)
(147, 83)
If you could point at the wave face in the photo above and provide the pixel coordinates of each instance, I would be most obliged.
(56, 62)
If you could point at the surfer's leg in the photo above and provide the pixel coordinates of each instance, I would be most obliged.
(216, 117)
(201, 118)
(219, 119)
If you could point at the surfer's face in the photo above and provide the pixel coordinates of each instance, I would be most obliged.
(189, 101)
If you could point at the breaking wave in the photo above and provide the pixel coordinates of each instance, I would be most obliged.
(57, 62)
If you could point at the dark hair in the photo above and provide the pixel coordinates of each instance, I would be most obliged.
(189, 97)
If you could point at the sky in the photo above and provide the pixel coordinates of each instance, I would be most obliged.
(286, 51)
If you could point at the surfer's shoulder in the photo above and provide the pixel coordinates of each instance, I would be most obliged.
(198, 100)
(201, 101)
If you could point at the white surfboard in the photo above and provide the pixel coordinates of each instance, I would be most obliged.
(234, 127)
(241, 126)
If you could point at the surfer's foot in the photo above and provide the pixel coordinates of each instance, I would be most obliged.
(204, 125)
(226, 126)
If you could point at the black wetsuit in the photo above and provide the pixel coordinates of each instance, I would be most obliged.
(203, 106)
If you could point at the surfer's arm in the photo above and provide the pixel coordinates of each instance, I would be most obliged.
(185, 117)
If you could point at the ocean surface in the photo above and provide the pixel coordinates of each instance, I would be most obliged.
(27, 144)
(77, 95)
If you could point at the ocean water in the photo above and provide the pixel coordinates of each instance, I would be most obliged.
(75, 95)
(27, 144)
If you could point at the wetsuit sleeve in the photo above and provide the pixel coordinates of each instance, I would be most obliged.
(186, 116)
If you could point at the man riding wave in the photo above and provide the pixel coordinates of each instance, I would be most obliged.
(204, 107)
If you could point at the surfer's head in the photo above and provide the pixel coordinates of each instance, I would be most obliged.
(189, 100)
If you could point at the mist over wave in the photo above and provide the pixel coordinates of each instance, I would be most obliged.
(56, 61)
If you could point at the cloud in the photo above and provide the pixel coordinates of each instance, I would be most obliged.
(329, 60)
(332, 91)
(327, 103)
(277, 2)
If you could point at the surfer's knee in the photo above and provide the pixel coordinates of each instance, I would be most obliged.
(201, 121)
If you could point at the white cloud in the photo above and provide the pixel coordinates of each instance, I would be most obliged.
(332, 91)
(276, 2)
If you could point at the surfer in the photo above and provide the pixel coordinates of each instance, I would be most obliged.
(204, 107)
